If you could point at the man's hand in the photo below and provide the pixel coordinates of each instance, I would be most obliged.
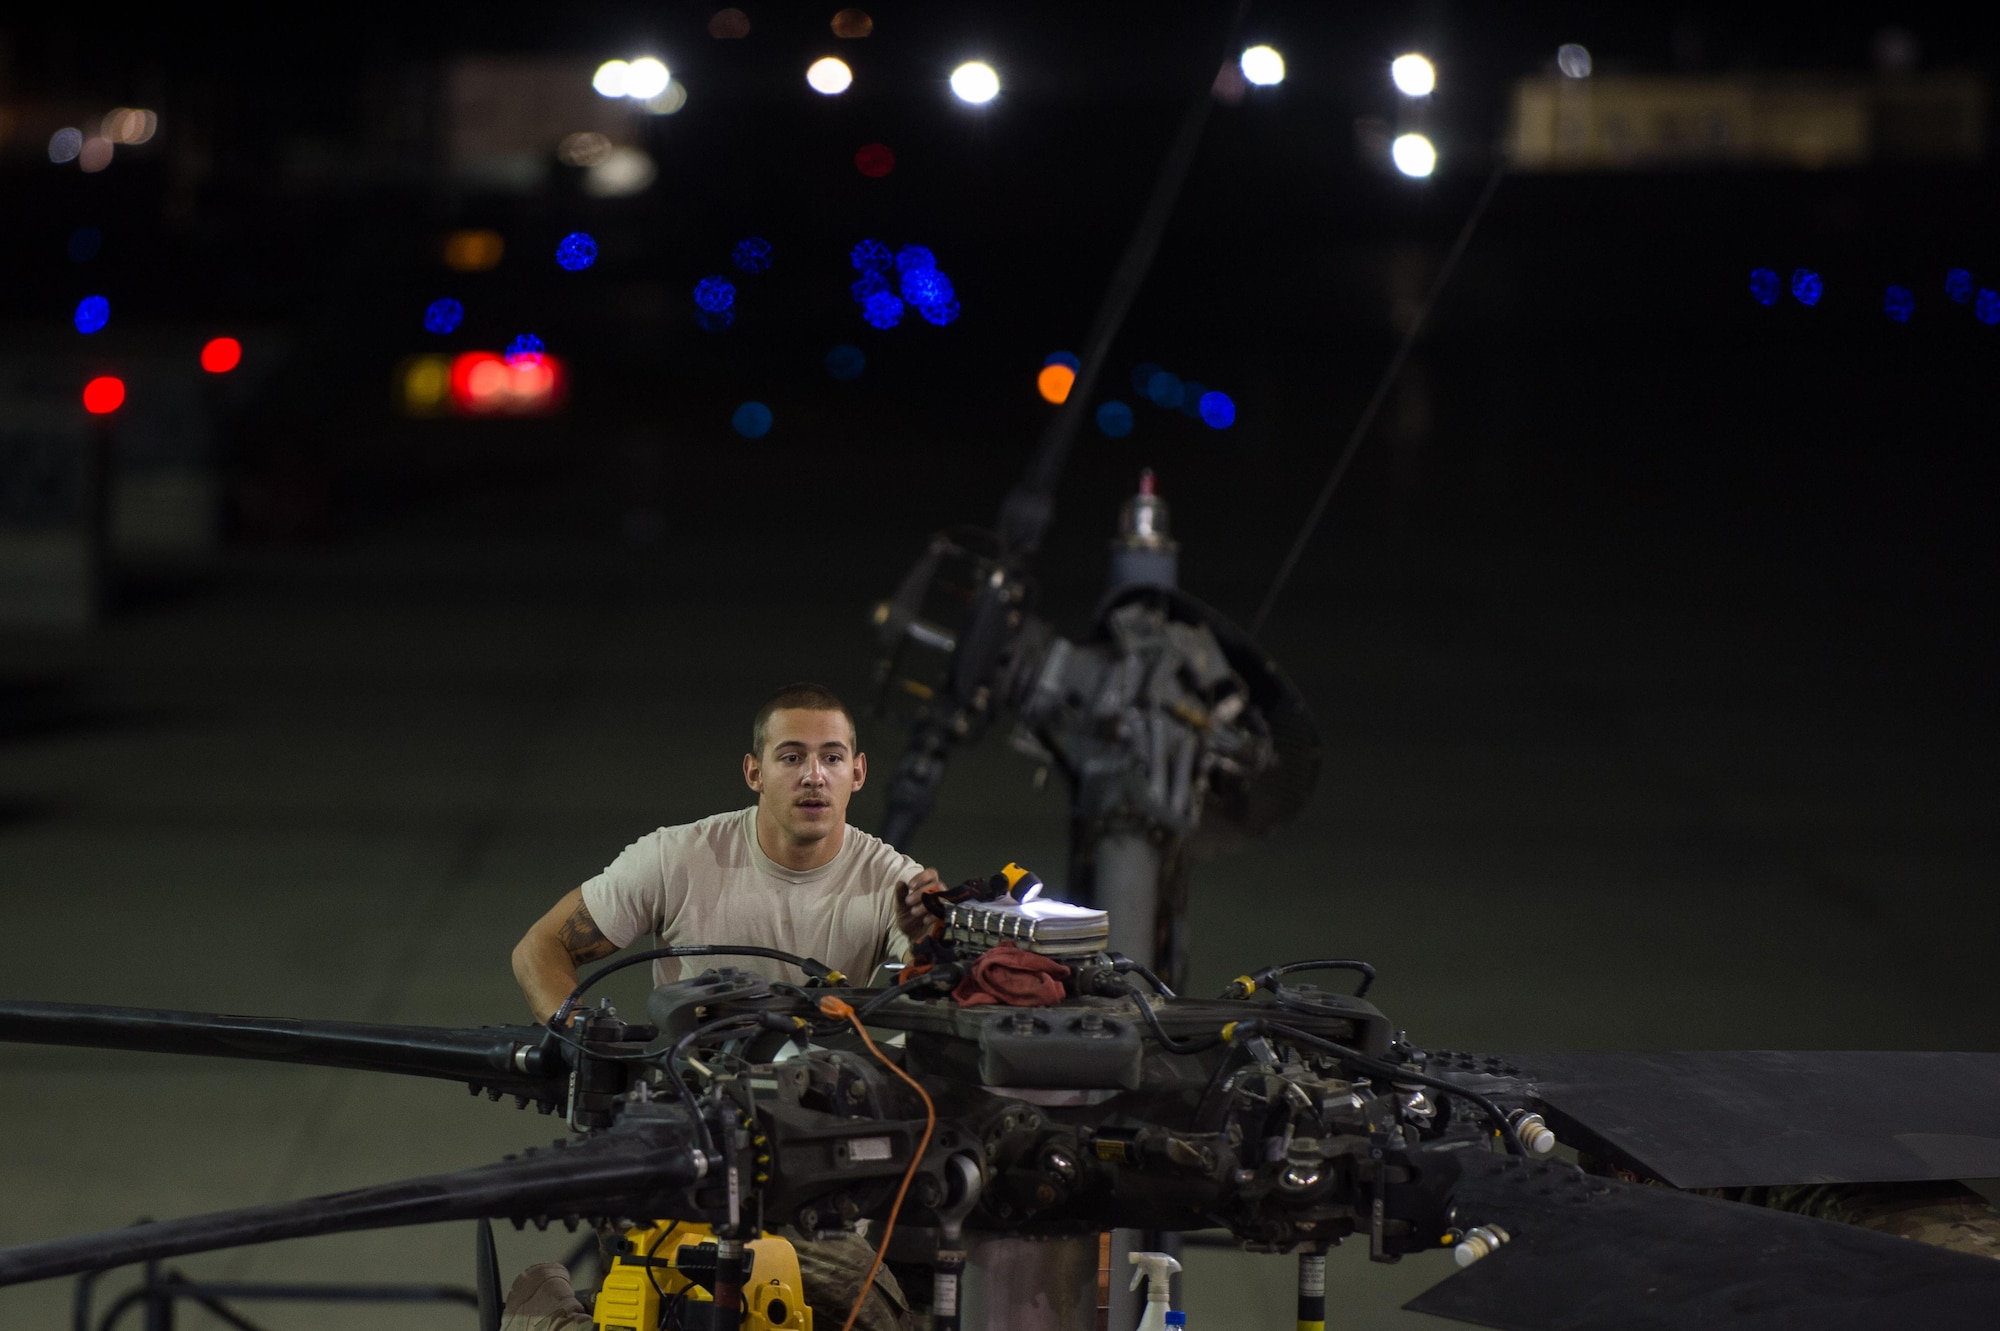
(911, 917)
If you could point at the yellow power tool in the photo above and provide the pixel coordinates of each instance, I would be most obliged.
(663, 1278)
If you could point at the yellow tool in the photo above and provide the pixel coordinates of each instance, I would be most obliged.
(646, 1279)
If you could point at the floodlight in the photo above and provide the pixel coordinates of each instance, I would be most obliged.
(1263, 66)
(975, 82)
(1414, 156)
(1414, 76)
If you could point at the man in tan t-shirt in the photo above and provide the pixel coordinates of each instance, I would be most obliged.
(786, 873)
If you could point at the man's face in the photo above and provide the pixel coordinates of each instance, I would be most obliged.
(807, 772)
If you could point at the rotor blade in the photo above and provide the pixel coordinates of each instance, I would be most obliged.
(1729, 1119)
(504, 1058)
(1592, 1254)
(627, 1171)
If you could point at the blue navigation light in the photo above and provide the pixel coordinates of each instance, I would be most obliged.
(1763, 286)
(846, 362)
(939, 312)
(752, 255)
(527, 347)
(882, 310)
(1806, 286)
(576, 252)
(923, 285)
(1191, 396)
(1164, 389)
(1899, 303)
(1115, 419)
(714, 294)
(752, 420)
(92, 313)
(1142, 376)
(1218, 411)
(1958, 285)
(443, 315)
(84, 242)
(870, 256)
(1063, 358)
(914, 259)
(869, 284)
(1987, 307)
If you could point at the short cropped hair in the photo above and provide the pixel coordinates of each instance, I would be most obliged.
(806, 697)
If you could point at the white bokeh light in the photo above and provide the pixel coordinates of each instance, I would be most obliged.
(645, 78)
(1414, 156)
(1263, 66)
(975, 82)
(1414, 76)
(611, 78)
(829, 75)
(1573, 60)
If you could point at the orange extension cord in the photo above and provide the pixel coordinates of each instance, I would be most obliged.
(834, 1007)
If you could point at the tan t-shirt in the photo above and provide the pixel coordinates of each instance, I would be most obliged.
(710, 882)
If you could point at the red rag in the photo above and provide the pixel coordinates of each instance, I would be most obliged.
(1006, 974)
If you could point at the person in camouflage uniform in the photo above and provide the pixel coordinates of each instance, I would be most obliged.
(1945, 1214)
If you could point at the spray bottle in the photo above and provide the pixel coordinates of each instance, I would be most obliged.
(1157, 1270)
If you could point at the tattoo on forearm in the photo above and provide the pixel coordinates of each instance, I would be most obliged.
(581, 937)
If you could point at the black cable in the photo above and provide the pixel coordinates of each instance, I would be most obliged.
(1168, 1042)
(1382, 388)
(818, 970)
(1244, 986)
(1122, 963)
(1508, 1137)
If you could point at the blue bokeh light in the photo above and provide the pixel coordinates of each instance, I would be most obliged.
(939, 312)
(443, 315)
(846, 362)
(92, 313)
(1163, 389)
(84, 243)
(1218, 410)
(882, 310)
(923, 285)
(914, 259)
(526, 347)
(869, 284)
(1958, 285)
(752, 420)
(715, 294)
(1114, 418)
(1142, 376)
(1763, 286)
(576, 252)
(870, 256)
(1987, 306)
(1063, 358)
(1806, 286)
(1191, 396)
(714, 321)
(1899, 303)
(752, 255)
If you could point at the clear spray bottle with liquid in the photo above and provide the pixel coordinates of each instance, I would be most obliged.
(1157, 1270)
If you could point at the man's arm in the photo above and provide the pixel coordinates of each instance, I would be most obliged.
(546, 958)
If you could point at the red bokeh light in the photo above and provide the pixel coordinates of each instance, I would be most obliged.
(874, 160)
(485, 384)
(103, 395)
(221, 355)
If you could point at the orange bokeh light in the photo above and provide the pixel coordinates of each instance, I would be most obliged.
(485, 384)
(104, 395)
(221, 355)
(1053, 383)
